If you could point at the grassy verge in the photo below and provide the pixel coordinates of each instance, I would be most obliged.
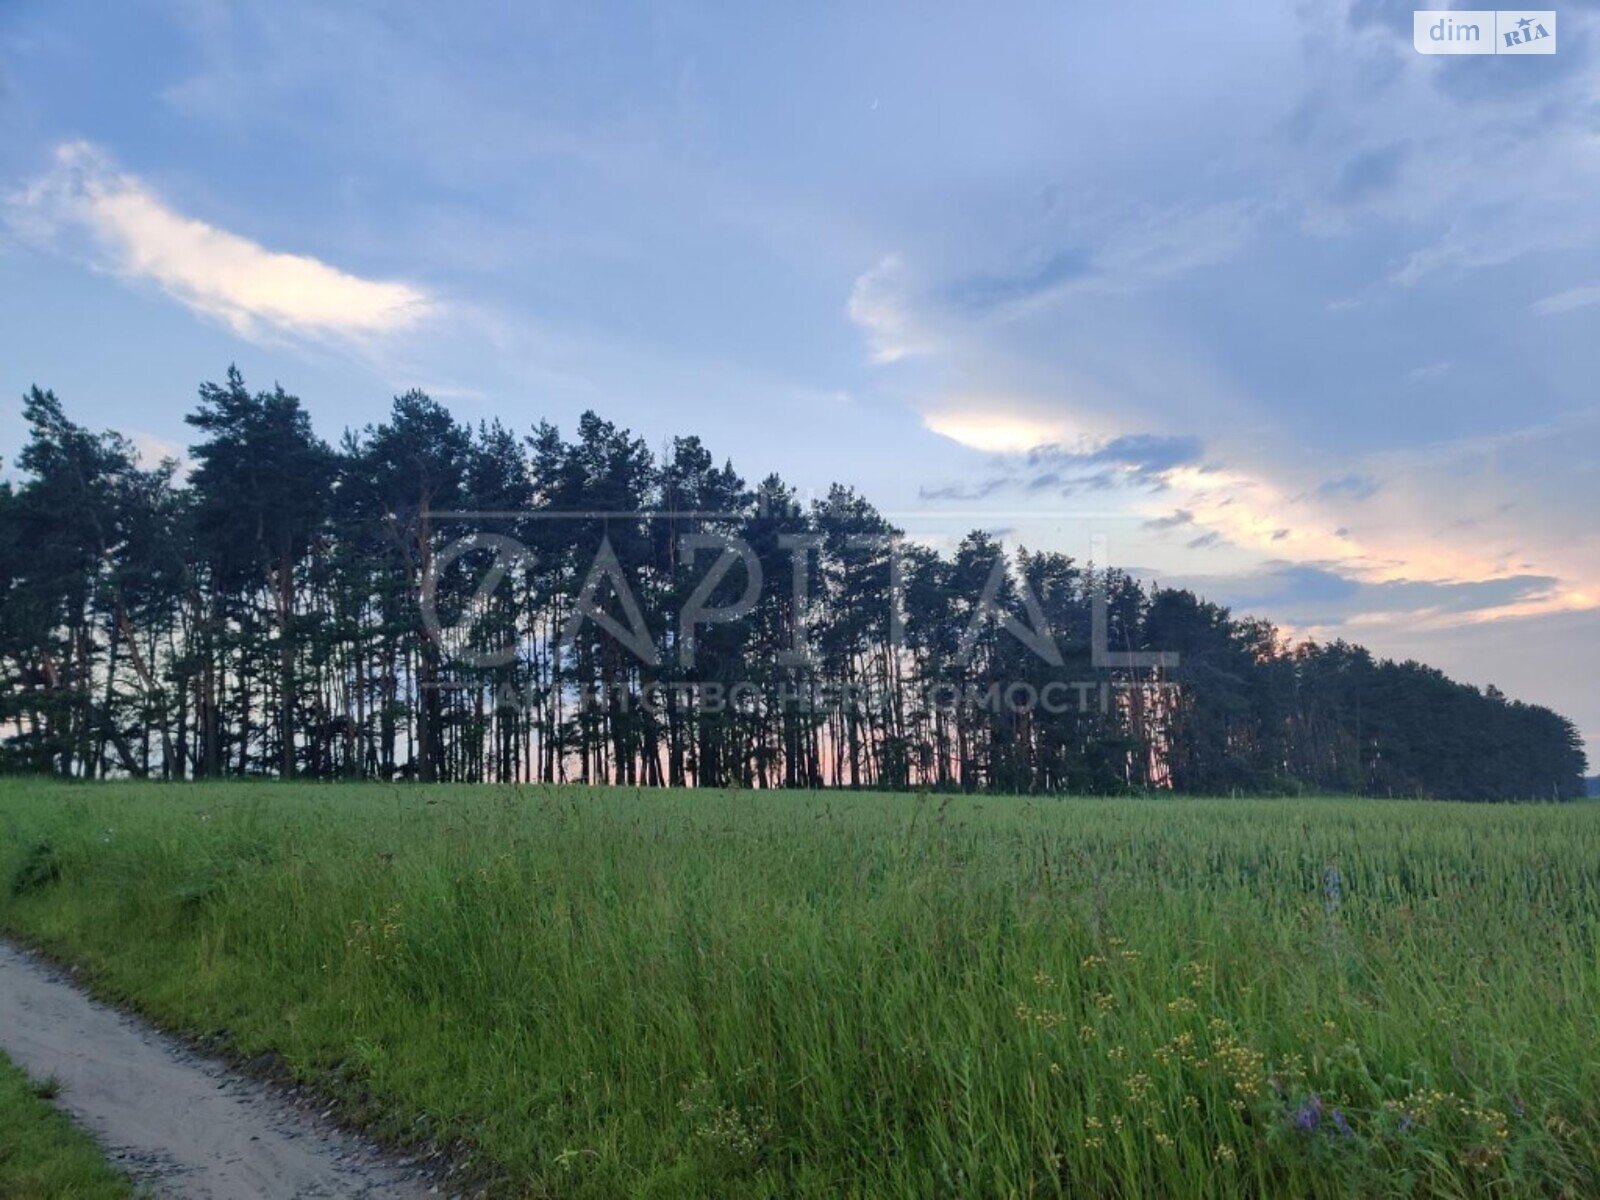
(603, 993)
(43, 1156)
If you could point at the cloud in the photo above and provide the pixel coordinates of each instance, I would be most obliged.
(153, 450)
(1146, 453)
(1159, 245)
(879, 305)
(1404, 561)
(993, 432)
(1355, 486)
(1562, 302)
(1252, 513)
(981, 490)
(1292, 585)
(1325, 597)
(1129, 460)
(1430, 370)
(1175, 520)
(1029, 465)
(1454, 595)
(978, 293)
(87, 209)
(1370, 172)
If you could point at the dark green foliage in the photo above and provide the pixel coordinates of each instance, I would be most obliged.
(268, 617)
(39, 868)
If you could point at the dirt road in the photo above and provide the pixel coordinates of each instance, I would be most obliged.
(178, 1123)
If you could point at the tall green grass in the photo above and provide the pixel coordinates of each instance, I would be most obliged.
(602, 993)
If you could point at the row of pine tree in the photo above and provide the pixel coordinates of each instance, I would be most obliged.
(268, 614)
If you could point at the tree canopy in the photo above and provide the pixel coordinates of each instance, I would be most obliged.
(293, 608)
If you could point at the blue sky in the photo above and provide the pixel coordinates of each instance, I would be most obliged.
(1290, 313)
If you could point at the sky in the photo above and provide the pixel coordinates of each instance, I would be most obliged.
(1281, 309)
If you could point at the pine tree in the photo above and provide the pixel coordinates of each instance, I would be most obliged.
(291, 609)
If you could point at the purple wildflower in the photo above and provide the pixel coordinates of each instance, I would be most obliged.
(1309, 1115)
(1342, 1125)
(1406, 1123)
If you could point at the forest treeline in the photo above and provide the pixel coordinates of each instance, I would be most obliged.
(268, 614)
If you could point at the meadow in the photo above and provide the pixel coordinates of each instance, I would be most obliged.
(730, 993)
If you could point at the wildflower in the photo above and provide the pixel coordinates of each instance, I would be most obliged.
(1342, 1125)
(1225, 1153)
(1481, 1158)
(1043, 1017)
(1181, 1005)
(1244, 1063)
(1309, 1115)
(1496, 1120)
(1042, 979)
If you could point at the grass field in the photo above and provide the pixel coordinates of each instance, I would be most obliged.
(42, 1155)
(593, 993)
